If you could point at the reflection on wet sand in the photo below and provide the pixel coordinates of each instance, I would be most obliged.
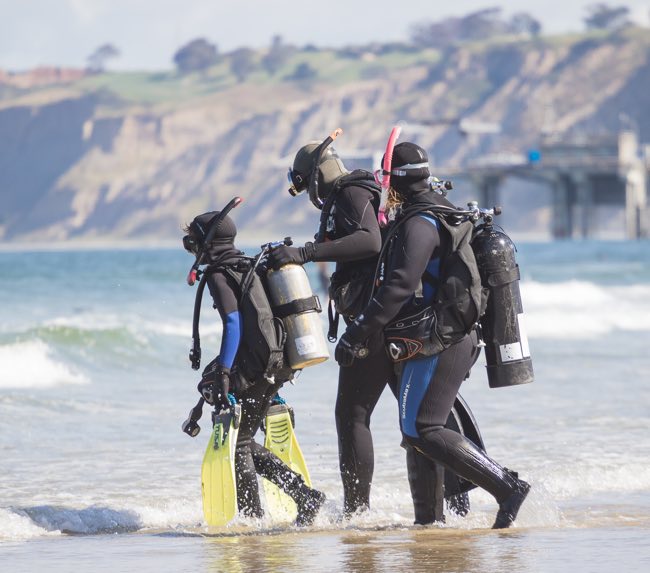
(357, 551)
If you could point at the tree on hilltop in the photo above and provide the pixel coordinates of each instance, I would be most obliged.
(196, 56)
(476, 26)
(242, 63)
(97, 60)
(482, 25)
(302, 72)
(277, 56)
(605, 17)
(524, 23)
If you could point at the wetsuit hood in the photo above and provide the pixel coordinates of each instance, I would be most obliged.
(222, 248)
(410, 169)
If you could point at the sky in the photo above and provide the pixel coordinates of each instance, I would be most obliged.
(148, 32)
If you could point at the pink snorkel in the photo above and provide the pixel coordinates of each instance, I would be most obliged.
(385, 174)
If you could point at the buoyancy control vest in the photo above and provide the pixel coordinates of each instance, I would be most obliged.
(262, 353)
(492, 301)
(261, 349)
(459, 299)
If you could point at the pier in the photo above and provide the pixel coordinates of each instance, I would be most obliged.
(582, 173)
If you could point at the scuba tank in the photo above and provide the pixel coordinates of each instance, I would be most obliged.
(502, 326)
(294, 302)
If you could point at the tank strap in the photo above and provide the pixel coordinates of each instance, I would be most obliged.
(297, 306)
(504, 277)
(333, 319)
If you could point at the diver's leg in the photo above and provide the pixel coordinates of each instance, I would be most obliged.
(427, 483)
(359, 389)
(426, 477)
(428, 389)
(269, 466)
(248, 496)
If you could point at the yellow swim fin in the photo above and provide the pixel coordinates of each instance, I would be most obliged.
(218, 482)
(281, 440)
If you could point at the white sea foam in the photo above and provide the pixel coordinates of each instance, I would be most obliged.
(15, 526)
(593, 479)
(552, 491)
(28, 522)
(32, 364)
(172, 513)
(83, 521)
(578, 309)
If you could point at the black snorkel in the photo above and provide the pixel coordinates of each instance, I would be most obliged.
(312, 188)
(213, 227)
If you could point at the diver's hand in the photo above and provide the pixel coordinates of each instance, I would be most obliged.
(348, 349)
(284, 255)
(215, 386)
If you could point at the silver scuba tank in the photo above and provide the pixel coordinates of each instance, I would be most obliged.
(295, 303)
(502, 326)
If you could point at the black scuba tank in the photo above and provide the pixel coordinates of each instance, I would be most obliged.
(506, 343)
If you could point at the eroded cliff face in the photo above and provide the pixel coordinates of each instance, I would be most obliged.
(89, 167)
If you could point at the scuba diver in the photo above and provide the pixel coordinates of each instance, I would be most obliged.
(349, 235)
(230, 377)
(418, 253)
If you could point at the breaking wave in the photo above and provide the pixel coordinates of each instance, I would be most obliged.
(578, 309)
(33, 364)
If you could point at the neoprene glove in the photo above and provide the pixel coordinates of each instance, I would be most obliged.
(349, 348)
(284, 255)
(214, 387)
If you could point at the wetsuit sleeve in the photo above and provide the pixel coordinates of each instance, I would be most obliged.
(225, 301)
(356, 223)
(412, 252)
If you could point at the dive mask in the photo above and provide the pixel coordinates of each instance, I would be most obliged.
(297, 183)
(190, 244)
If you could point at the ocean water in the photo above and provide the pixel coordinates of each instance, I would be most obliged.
(95, 473)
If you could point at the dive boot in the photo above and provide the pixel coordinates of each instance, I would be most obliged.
(509, 507)
(308, 501)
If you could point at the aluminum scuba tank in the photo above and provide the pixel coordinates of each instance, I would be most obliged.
(293, 301)
(506, 343)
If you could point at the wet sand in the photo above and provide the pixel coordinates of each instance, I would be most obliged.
(609, 548)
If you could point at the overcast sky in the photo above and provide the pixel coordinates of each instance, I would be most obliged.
(147, 32)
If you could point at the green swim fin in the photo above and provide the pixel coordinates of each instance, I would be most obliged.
(281, 440)
(218, 482)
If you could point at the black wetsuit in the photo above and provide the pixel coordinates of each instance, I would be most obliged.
(255, 397)
(353, 240)
(428, 385)
(354, 245)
